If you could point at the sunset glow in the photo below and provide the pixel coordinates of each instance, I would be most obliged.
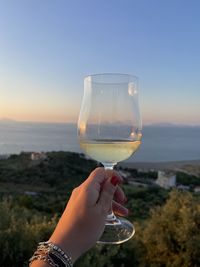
(44, 61)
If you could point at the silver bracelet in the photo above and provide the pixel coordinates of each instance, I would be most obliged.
(44, 258)
(52, 254)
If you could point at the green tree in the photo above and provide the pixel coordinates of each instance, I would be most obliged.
(20, 231)
(171, 237)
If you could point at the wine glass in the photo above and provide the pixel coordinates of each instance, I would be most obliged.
(109, 131)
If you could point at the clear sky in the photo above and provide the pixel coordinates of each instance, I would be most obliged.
(48, 46)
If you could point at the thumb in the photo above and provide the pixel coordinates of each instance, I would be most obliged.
(107, 193)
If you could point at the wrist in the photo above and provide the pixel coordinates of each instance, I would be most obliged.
(52, 254)
(67, 244)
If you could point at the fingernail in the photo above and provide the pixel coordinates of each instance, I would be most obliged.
(114, 180)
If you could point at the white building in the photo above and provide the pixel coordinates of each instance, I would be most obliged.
(166, 179)
(197, 189)
(38, 156)
(4, 156)
(183, 187)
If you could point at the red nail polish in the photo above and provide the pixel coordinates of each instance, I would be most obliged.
(114, 180)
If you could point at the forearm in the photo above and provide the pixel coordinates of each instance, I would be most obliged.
(39, 263)
(83, 220)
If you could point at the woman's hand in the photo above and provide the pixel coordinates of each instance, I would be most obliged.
(83, 220)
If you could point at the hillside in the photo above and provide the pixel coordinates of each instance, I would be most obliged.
(33, 193)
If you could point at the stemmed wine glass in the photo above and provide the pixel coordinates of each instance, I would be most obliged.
(109, 131)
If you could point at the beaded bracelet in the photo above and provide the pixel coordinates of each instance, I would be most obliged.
(52, 254)
(44, 258)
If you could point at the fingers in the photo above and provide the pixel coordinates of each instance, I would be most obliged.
(119, 195)
(111, 173)
(119, 209)
(96, 178)
(99, 176)
(107, 193)
(102, 185)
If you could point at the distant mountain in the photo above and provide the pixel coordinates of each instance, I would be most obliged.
(163, 124)
(7, 120)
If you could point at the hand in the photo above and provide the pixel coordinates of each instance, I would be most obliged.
(83, 220)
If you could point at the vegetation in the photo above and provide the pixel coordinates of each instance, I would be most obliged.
(34, 193)
(186, 179)
(142, 199)
(20, 231)
(171, 237)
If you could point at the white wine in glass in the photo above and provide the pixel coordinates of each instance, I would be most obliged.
(109, 151)
(110, 131)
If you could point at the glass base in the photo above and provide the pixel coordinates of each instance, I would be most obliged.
(117, 231)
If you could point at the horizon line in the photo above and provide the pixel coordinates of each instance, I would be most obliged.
(164, 124)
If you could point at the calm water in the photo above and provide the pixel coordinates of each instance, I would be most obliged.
(158, 144)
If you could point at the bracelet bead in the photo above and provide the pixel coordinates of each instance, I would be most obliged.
(52, 254)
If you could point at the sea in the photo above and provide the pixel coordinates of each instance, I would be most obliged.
(160, 143)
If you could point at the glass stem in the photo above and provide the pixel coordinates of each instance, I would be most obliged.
(108, 166)
(111, 216)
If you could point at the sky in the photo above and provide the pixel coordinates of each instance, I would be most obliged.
(48, 46)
